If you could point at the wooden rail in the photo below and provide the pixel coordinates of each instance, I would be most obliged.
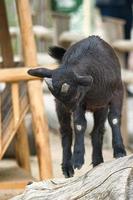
(40, 32)
(123, 45)
(20, 74)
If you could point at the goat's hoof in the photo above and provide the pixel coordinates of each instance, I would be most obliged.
(119, 155)
(78, 161)
(77, 166)
(30, 182)
(68, 171)
(97, 163)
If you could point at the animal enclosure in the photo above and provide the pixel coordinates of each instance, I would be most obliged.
(18, 97)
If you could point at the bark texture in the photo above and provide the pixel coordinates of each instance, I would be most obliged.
(109, 181)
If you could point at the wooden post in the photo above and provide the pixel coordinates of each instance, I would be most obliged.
(60, 24)
(35, 91)
(15, 102)
(21, 138)
(18, 74)
(6, 49)
(0, 128)
(87, 17)
(7, 55)
(21, 142)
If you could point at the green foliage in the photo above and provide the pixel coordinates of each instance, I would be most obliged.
(65, 6)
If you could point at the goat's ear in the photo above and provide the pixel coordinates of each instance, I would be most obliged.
(57, 52)
(84, 80)
(41, 72)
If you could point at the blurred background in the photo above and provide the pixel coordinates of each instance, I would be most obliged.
(64, 22)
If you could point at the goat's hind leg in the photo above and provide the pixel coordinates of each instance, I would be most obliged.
(114, 118)
(100, 117)
(64, 117)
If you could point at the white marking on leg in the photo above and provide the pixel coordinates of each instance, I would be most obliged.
(115, 121)
(78, 127)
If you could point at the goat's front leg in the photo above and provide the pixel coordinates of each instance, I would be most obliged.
(114, 118)
(64, 117)
(79, 128)
(100, 117)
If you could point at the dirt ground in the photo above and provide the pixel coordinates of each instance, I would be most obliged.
(56, 152)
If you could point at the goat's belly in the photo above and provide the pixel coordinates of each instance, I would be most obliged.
(94, 108)
(96, 105)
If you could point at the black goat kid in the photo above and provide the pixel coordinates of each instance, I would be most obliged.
(88, 79)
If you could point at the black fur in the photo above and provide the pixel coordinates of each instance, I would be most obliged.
(56, 52)
(91, 70)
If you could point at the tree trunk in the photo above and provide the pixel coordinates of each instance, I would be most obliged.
(109, 181)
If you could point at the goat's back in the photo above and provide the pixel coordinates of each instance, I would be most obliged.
(92, 56)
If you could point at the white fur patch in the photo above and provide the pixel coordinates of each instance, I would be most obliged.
(79, 127)
(115, 121)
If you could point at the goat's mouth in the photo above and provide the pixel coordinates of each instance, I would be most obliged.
(71, 105)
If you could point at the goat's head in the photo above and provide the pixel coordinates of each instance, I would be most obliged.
(67, 86)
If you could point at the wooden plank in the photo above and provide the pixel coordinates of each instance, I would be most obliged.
(11, 130)
(6, 48)
(14, 185)
(0, 128)
(35, 91)
(127, 76)
(87, 16)
(123, 45)
(21, 138)
(5, 43)
(18, 74)
(60, 24)
(15, 75)
(16, 64)
(40, 32)
(14, 178)
(15, 102)
(22, 142)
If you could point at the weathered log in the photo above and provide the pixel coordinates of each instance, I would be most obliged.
(109, 181)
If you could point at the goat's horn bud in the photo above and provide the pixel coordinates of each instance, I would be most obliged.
(49, 82)
(65, 87)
